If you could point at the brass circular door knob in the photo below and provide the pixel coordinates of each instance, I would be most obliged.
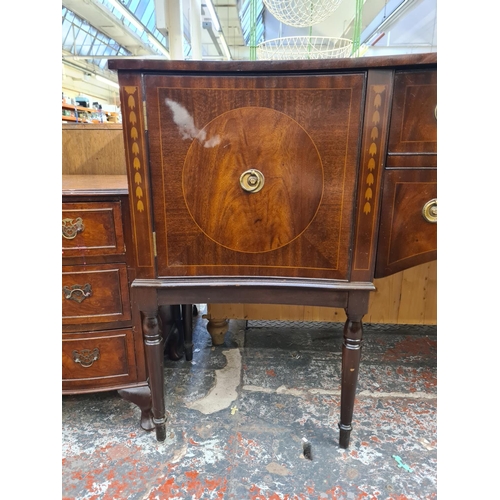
(430, 211)
(252, 180)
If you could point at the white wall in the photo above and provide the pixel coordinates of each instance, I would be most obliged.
(76, 82)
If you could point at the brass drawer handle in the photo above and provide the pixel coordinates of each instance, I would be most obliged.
(86, 357)
(436, 112)
(71, 227)
(430, 211)
(252, 180)
(78, 293)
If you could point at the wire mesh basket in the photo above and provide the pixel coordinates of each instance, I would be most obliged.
(301, 13)
(304, 47)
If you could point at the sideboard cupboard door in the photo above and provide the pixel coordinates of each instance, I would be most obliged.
(254, 176)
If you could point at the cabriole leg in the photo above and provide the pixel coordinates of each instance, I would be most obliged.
(140, 396)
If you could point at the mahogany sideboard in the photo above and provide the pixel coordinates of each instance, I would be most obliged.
(276, 182)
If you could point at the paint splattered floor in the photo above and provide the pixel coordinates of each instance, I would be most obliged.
(243, 415)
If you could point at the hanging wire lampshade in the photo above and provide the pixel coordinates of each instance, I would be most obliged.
(301, 13)
(304, 47)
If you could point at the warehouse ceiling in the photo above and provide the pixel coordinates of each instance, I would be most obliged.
(191, 29)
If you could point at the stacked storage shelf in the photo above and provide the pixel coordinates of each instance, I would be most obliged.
(81, 114)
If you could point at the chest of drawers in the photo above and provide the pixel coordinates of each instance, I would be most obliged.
(280, 182)
(100, 350)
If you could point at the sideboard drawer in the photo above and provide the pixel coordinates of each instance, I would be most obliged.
(95, 294)
(406, 237)
(98, 359)
(92, 229)
(413, 127)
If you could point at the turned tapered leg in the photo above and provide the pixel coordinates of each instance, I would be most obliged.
(153, 345)
(351, 355)
(140, 396)
(217, 328)
(187, 319)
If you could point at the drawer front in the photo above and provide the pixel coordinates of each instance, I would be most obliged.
(92, 229)
(406, 237)
(98, 359)
(95, 294)
(413, 127)
(252, 176)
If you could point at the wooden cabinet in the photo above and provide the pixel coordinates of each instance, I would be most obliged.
(267, 182)
(100, 350)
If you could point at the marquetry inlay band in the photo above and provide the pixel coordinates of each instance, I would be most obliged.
(131, 122)
(374, 148)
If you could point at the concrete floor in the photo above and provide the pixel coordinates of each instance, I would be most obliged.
(243, 414)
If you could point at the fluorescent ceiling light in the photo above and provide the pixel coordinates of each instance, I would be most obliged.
(126, 14)
(108, 82)
(213, 14)
(158, 45)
